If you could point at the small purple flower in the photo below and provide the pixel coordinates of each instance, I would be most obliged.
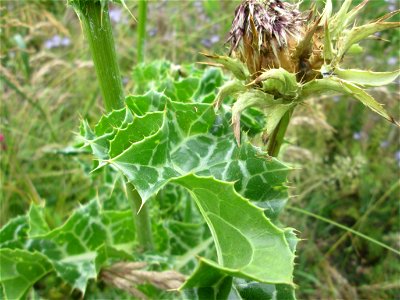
(392, 7)
(336, 98)
(115, 14)
(48, 44)
(397, 156)
(206, 43)
(384, 144)
(214, 39)
(152, 32)
(65, 42)
(211, 41)
(357, 136)
(57, 41)
(392, 61)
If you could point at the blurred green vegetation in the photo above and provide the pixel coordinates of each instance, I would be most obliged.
(348, 158)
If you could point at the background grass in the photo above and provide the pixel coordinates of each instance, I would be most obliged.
(348, 158)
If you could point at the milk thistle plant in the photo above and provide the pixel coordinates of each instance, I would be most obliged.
(173, 148)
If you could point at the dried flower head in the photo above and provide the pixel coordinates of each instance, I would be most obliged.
(265, 32)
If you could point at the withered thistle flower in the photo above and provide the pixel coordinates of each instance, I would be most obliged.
(128, 275)
(280, 56)
(265, 33)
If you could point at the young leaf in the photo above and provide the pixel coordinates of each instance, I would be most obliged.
(343, 18)
(148, 75)
(367, 78)
(237, 68)
(342, 86)
(366, 99)
(209, 82)
(252, 98)
(230, 88)
(326, 14)
(37, 223)
(354, 11)
(338, 21)
(357, 34)
(274, 114)
(273, 109)
(179, 83)
(355, 49)
(328, 48)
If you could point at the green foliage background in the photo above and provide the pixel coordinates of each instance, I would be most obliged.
(348, 158)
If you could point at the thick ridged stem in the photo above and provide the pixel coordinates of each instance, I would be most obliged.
(97, 30)
(277, 137)
(142, 219)
(141, 30)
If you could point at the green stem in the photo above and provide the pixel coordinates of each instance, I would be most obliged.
(348, 229)
(183, 260)
(142, 219)
(363, 217)
(276, 139)
(141, 31)
(188, 211)
(97, 30)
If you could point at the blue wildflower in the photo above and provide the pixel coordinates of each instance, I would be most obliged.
(357, 136)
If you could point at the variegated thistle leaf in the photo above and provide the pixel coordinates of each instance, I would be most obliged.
(213, 282)
(20, 269)
(80, 247)
(155, 141)
(75, 251)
